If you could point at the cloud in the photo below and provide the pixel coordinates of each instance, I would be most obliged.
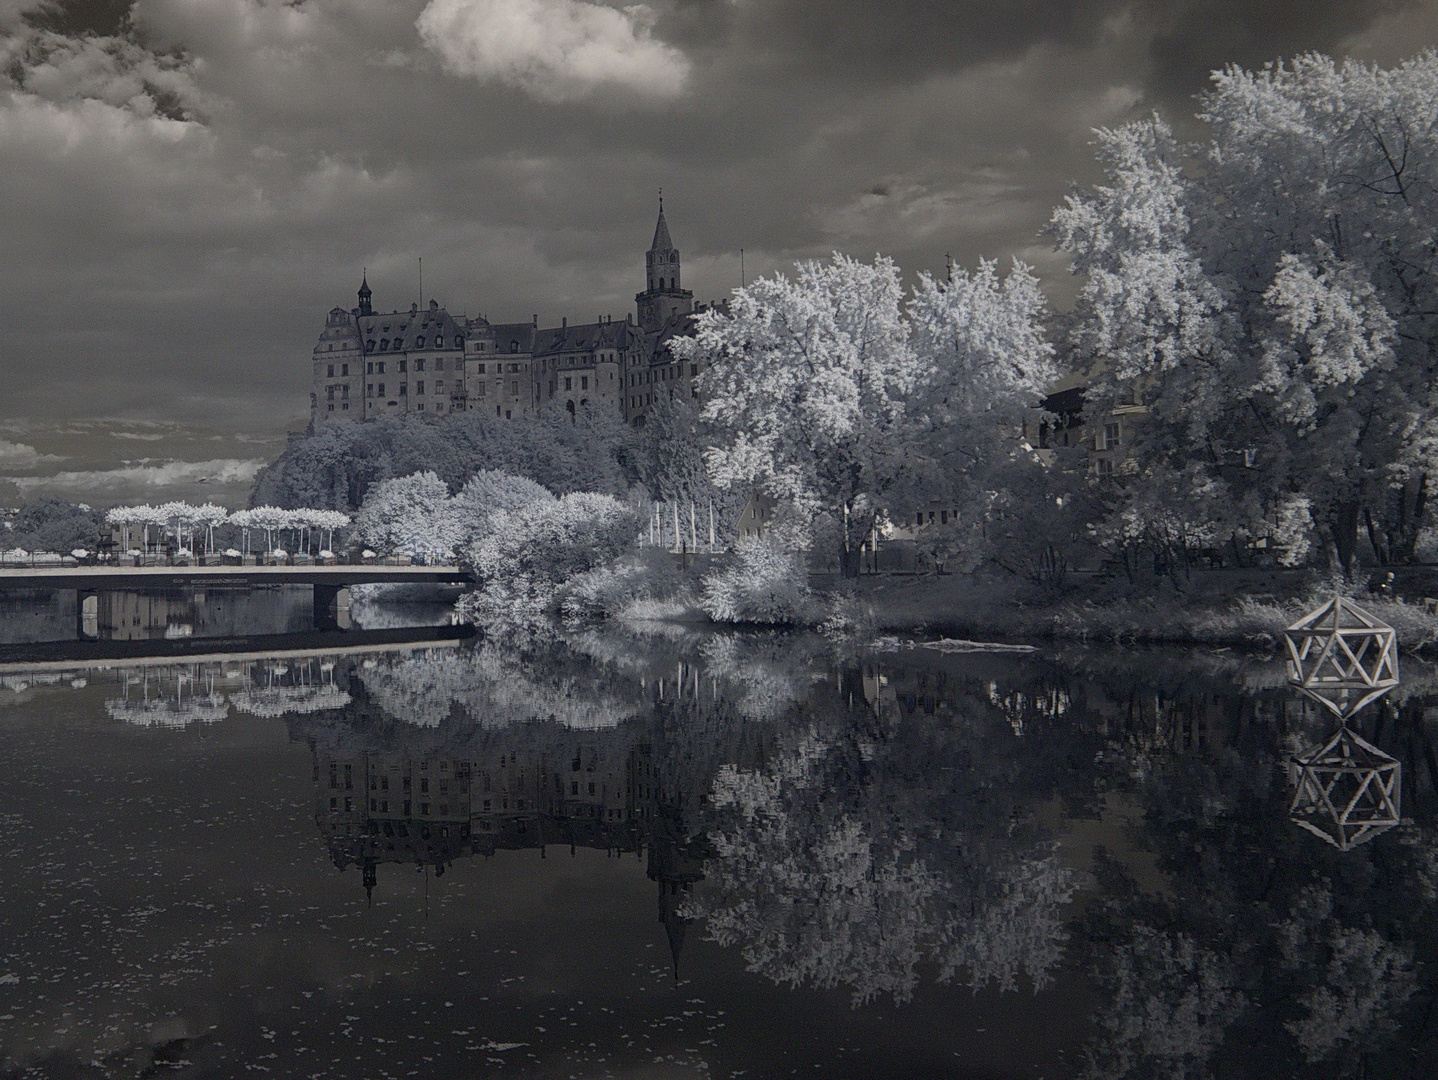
(223, 479)
(554, 49)
(20, 456)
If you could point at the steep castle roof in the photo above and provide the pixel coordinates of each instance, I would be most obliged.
(661, 233)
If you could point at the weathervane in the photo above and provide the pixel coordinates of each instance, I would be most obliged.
(1346, 789)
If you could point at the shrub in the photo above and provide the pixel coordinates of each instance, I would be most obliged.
(765, 584)
(528, 554)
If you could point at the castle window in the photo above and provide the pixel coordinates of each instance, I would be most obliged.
(419, 365)
(584, 382)
(344, 369)
(381, 389)
(403, 365)
(331, 373)
(458, 342)
(369, 345)
(569, 384)
(330, 392)
(419, 343)
(480, 369)
(514, 346)
(369, 390)
(419, 388)
(381, 368)
(479, 390)
(514, 388)
(384, 344)
(439, 386)
(404, 389)
(345, 390)
(371, 368)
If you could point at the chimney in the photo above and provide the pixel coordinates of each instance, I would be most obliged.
(536, 320)
(564, 323)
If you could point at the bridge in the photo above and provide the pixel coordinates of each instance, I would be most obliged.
(327, 581)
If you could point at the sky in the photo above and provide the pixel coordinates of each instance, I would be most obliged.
(187, 186)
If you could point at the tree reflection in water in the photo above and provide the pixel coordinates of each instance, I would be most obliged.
(843, 818)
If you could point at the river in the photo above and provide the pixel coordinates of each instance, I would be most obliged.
(662, 852)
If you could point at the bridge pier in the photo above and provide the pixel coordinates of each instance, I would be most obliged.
(332, 607)
(87, 615)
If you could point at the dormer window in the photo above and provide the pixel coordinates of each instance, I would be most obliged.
(514, 346)
(419, 343)
(384, 344)
(458, 342)
(369, 346)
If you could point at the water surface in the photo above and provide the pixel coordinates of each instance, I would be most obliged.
(662, 853)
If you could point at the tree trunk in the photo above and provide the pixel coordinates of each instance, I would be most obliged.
(1343, 525)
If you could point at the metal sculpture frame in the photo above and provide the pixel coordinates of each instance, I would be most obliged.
(1352, 785)
(1342, 657)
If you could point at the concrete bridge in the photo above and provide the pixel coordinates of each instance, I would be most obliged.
(329, 582)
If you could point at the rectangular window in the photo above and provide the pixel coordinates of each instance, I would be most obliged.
(334, 804)
(584, 382)
(345, 391)
(439, 386)
(480, 369)
(479, 390)
(569, 384)
(693, 370)
(1110, 436)
(438, 364)
(381, 389)
(349, 806)
(331, 374)
(403, 365)
(514, 388)
(407, 805)
(332, 408)
(403, 389)
(381, 368)
(419, 364)
(330, 391)
(424, 808)
(371, 368)
(406, 787)
(344, 369)
(419, 387)
(574, 787)
(1105, 466)
(424, 785)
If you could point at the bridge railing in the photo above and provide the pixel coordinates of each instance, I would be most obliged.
(49, 559)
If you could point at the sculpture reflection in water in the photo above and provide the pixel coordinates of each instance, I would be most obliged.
(1346, 790)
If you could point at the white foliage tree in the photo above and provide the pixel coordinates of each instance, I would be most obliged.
(528, 553)
(1272, 296)
(808, 384)
(410, 515)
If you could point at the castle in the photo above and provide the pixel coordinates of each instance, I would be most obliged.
(369, 364)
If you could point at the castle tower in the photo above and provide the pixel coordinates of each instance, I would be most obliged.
(663, 296)
(364, 296)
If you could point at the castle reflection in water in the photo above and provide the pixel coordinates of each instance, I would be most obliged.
(860, 818)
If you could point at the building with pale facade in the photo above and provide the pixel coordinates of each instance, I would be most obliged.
(425, 360)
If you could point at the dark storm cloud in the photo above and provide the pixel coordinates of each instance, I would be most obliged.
(186, 186)
(1193, 37)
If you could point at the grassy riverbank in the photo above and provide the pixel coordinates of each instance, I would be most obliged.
(1249, 611)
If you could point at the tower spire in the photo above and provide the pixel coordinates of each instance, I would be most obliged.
(365, 294)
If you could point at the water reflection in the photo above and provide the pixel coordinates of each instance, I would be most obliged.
(881, 824)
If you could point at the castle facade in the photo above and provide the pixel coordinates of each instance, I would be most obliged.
(369, 364)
